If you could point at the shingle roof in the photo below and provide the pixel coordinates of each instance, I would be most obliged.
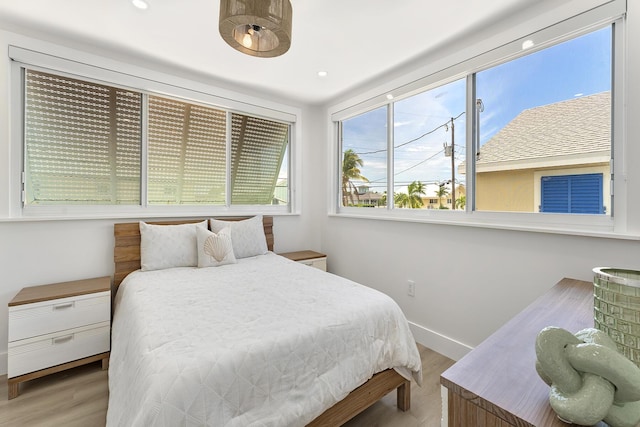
(576, 126)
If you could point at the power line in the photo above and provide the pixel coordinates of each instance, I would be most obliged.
(445, 124)
(411, 167)
(416, 165)
(419, 163)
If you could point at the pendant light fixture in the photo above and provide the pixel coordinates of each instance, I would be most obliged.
(256, 27)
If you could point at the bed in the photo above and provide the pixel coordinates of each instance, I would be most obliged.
(262, 341)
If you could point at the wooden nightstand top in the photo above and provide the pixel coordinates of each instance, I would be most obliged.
(61, 290)
(302, 255)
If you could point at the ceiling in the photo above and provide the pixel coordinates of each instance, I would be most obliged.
(352, 40)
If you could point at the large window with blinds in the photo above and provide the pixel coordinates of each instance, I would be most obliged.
(89, 143)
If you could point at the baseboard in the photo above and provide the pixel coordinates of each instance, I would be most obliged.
(446, 346)
(3, 363)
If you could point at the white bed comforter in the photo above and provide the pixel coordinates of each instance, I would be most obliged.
(265, 342)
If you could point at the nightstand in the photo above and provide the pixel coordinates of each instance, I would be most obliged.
(310, 258)
(56, 327)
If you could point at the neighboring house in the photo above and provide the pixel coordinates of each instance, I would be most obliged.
(553, 158)
(366, 197)
(431, 201)
(369, 198)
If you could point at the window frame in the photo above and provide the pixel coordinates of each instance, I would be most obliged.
(147, 83)
(613, 225)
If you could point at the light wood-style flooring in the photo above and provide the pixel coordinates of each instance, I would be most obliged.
(78, 398)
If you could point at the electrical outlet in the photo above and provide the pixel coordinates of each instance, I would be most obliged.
(411, 288)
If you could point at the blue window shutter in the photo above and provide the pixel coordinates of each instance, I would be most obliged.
(555, 191)
(572, 194)
(586, 194)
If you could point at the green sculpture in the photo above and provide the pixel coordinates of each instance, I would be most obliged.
(590, 380)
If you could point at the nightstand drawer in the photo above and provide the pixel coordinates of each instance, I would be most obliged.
(310, 258)
(320, 263)
(31, 320)
(41, 352)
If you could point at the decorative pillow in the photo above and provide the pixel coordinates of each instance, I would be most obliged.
(247, 235)
(167, 246)
(215, 249)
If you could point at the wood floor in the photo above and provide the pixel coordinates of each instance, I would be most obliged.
(78, 398)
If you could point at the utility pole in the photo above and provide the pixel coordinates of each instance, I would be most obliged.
(453, 168)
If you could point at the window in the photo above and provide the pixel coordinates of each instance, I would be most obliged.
(187, 153)
(508, 135)
(364, 158)
(427, 144)
(546, 111)
(84, 145)
(258, 148)
(82, 142)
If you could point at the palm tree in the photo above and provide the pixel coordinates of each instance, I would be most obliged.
(442, 192)
(383, 199)
(412, 199)
(351, 163)
(416, 190)
(461, 202)
(401, 200)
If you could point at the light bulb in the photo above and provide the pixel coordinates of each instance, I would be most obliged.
(246, 40)
(527, 44)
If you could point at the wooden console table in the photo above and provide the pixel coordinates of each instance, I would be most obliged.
(496, 384)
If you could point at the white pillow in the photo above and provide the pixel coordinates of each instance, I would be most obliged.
(167, 246)
(214, 249)
(247, 235)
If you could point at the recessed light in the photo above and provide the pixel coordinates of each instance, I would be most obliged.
(527, 44)
(322, 74)
(389, 96)
(140, 4)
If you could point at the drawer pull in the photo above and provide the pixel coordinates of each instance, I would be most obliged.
(60, 340)
(63, 306)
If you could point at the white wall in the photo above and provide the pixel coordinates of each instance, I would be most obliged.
(470, 281)
(40, 252)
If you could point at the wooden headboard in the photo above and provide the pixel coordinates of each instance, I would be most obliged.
(126, 251)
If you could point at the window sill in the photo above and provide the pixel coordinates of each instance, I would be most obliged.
(572, 225)
(91, 213)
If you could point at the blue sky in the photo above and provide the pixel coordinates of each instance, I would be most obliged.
(577, 67)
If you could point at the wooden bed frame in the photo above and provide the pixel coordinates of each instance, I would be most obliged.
(126, 256)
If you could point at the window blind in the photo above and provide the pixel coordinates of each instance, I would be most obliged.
(187, 153)
(257, 150)
(82, 142)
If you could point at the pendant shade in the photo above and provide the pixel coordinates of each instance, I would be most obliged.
(256, 27)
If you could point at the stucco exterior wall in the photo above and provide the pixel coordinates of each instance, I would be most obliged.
(519, 190)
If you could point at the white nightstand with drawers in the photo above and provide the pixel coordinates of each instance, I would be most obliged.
(57, 327)
(310, 258)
